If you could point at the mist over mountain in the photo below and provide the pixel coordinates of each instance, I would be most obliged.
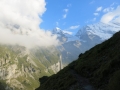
(26, 51)
(19, 23)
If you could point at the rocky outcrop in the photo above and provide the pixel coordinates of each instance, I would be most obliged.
(20, 68)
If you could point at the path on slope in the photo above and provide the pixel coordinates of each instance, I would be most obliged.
(83, 83)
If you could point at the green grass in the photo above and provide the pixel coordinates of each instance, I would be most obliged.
(37, 56)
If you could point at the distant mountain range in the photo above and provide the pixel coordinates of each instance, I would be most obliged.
(86, 37)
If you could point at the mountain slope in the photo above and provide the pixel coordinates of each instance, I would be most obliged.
(87, 37)
(99, 69)
(20, 68)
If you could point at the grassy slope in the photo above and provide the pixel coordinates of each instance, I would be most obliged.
(15, 51)
(101, 65)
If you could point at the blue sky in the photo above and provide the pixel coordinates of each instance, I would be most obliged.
(71, 15)
(34, 18)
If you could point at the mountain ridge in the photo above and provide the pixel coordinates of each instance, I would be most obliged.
(100, 65)
(86, 37)
(20, 68)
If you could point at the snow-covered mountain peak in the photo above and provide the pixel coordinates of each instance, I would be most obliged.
(64, 36)
(85, 38)
(57, 30)
(101, 30)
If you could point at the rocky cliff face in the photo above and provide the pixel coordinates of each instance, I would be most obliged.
(21, 68)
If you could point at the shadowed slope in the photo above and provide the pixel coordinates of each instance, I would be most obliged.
(100, 66)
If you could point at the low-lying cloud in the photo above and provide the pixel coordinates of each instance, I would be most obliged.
(20, 21)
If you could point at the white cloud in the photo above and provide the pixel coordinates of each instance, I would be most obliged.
(99, 9)
(68, 32)
(19, 23)
(69, 5)
(75, 27)
(91, 20)
(66, 10)
(96, 14)
(112, 4)
(117, 19)
(64, 16)
(57, 23)
(108, 9)
(92, 2)
(110, 16)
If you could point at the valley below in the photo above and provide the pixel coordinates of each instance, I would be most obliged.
(20, 68)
